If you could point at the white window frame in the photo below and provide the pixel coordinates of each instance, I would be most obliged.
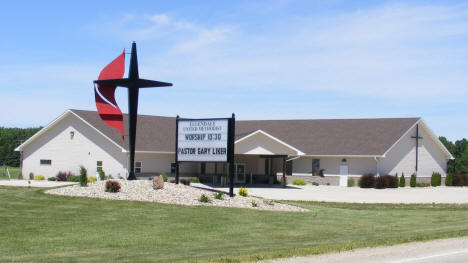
(138, 167)
(50, 161)
(99, 166)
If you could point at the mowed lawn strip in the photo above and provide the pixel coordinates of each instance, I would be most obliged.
(37, 227)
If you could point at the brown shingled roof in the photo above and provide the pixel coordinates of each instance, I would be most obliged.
(313, 137)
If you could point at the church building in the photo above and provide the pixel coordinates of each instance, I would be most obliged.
(327, 151)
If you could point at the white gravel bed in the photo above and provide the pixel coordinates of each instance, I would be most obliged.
(142, 190)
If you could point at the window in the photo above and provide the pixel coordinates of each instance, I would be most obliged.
(315, 165)
(137, 167)
(203, 168)
(99, 166)
(289, 167)
(46, 162)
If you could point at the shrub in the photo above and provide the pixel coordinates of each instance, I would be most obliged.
(395, 181)
(112, 186)
(359, 182)
(184, 181)
(51, 179)
(413, 180)
(73, 178)
(83, 176)
(92, 179)
(390, 181)
(402, 180)
(204, 199)
(254, 204)
(164, 176)
(194, 180)
(218, 195)
(380, 182)
(315, 183)
(460, 180)
(448, 179)
(31, 176)
(422, 185)
(102, 175)
(39, 177)
(243, 191)
(367, 181)
(62, 176)
(20, 176)
(172, 181)
(299, 182)
(436, 179)
(351, 182)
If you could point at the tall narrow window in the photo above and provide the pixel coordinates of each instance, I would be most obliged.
(138, 167)
(289, 167)
(202, 168)
(99, 166)
(315, 166)
(45, 162)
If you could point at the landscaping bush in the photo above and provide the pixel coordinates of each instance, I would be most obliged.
(51, 179)
(367, 181)
(402, 180)
(436, 179)
(359, 182)
(448, 180)
(243, 191)
(20, 176)
(83, 176)
(413, 180)
(380, 182)
(39, 177)
(315, 183)
(164, 176)
(184, 181)
(218, 195)
(102, 175)
(204, 199)
(172, 181)
(254, 204)
(299, 182)
(390, 181)
(31, 176)
(112, 186)
(194, 180)
(351, 182)
(62, 176)
(92, 179)
(73, 178)
(395, 181)
(460, 180)
(422, 185)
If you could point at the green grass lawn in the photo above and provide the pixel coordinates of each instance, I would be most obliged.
(14, 172)
(36, 227)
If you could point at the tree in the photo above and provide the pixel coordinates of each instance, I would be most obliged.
(10, 138)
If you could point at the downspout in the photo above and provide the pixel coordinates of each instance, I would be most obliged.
(377, 172)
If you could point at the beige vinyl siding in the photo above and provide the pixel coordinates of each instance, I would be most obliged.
(402, 158)
(86, 148)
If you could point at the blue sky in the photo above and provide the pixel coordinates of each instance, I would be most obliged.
(259, 59)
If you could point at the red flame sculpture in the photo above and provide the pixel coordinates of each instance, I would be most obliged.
(105, 95)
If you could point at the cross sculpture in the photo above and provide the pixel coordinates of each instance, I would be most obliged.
(417, 137)
(109, 79)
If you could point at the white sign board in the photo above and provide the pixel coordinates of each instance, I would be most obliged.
(202, 140)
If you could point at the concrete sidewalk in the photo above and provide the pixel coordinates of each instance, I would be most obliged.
(406, 195)
(34, 183)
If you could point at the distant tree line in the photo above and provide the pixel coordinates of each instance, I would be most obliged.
(459, 150)
(10, 138)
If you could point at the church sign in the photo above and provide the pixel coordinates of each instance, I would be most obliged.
(203, 140)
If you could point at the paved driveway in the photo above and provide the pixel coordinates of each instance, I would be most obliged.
(407, 195)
